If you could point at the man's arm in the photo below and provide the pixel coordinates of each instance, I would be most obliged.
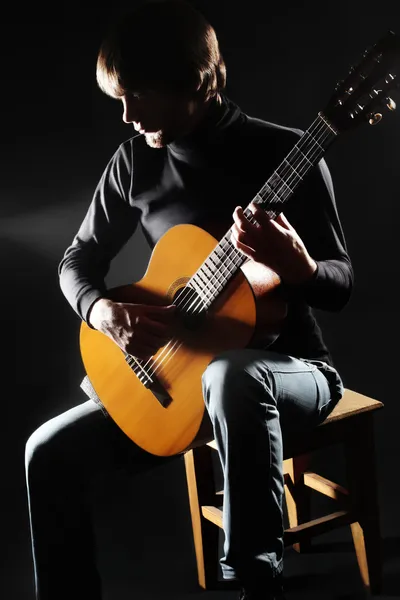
(305, 244)
(109, 222)
(313, 214)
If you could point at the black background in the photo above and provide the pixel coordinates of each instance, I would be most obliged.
(58, 132)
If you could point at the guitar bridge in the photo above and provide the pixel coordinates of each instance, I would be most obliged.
(159, 391)
(149, 380)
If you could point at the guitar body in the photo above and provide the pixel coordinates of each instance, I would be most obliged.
(230, 323)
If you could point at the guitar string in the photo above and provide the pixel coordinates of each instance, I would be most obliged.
(236, 253)
(281, 194)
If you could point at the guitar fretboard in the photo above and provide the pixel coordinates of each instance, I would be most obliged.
(225, 260)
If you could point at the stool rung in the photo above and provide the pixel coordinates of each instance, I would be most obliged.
(213, 514)
(293, 534)
(325, 486)
(317, 526)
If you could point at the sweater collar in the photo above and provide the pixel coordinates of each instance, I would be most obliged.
(218, 118)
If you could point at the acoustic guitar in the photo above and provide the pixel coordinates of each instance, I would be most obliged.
(224, 301)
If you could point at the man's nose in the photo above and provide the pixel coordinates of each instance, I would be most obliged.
(130, 112)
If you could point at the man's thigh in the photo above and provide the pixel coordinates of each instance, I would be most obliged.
(86, 438)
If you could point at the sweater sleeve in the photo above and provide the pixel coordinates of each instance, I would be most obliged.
(313, 213)
(109, 222)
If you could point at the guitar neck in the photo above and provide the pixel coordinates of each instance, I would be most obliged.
(225, 260)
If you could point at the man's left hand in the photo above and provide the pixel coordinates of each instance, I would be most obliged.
(274, 243)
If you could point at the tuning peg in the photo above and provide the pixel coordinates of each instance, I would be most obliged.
(375, 118)
(391, 104)
(339, 85)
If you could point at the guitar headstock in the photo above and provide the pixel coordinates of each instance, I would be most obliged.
(365, 91)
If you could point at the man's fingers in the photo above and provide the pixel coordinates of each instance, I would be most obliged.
(153, 327)
(161, 314)
(239, 219)
(261, 216)
(282, 220)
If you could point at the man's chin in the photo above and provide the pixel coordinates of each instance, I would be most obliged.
(156, 139)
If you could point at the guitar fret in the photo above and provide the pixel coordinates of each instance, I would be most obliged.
(213, 282)
(207, 270)
(199, 290)
(213, 266)
(334, 131)
(258, 199)
(222, 263)
(202, 282)
(293, 169)
(271, 191)
(216, 251)
(302, 153)
(215, 260)
(226, 254)
(284, 182)
(314, 140)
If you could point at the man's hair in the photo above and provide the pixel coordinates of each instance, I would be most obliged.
(161, 45)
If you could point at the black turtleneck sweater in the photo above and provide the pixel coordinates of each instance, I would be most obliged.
(200, 179)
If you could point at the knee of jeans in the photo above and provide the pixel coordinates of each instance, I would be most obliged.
(226, 387)
(40, 451)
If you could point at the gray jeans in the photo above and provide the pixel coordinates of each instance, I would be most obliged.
(254, 398)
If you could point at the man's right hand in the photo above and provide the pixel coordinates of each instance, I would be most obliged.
(138, 329)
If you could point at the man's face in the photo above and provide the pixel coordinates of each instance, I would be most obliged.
(161, 116)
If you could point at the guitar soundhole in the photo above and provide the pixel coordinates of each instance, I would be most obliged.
(191, 310)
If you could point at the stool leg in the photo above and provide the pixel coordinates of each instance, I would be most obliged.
(298, 497)
(362, 484)
(199, 474)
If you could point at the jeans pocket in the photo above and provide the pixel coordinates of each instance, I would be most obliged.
(335, 382)
(335, 386)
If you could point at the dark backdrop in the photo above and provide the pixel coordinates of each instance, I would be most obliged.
(58, 132)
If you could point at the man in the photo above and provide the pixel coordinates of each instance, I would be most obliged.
(197, 158)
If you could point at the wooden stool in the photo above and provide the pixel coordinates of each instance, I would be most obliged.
(349, 423)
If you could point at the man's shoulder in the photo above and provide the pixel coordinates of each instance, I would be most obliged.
(132, 149)
(261, 128)
(131, 145)
(259, 137)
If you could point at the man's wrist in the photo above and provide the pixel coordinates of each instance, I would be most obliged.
(311, 271)
(97, 311)
(305, 276)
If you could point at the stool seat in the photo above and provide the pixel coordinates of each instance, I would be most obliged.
(350, 424)
(352, 403)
